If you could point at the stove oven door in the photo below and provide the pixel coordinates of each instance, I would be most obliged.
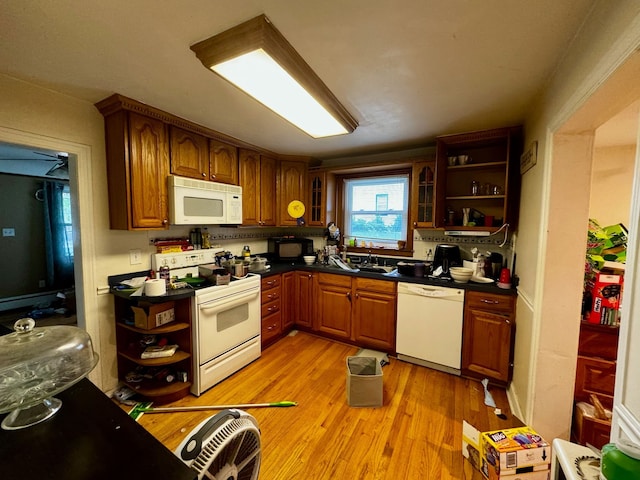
(226, 323)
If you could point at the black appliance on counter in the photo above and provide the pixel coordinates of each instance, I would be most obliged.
(289, 249)
(447, 256)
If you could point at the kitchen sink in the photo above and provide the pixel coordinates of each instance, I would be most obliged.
(375, 268)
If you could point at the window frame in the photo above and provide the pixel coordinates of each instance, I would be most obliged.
(407, 251)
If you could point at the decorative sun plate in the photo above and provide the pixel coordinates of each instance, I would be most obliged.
(296, 209)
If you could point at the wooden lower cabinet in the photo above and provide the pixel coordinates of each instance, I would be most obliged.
(271, 311)
(288, 301)
(333, 314)
(595, 375)
(374, 313)
(304, 298)
(361, 311)
(488, 335)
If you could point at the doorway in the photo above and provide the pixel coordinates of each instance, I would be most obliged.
(37, 251)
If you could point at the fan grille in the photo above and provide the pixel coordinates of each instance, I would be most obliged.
(232, 453)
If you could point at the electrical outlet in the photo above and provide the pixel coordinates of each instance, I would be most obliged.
(135, 256)
(8, 232)
(42, 284)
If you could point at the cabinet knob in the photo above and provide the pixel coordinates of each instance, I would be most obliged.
(204, 175)
(349, 295)
(507, 321)
(310, 276)
(165, 221)
(213, 176)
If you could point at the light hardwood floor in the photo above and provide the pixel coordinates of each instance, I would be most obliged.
(416, 434)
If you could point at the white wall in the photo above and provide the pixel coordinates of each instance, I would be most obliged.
(36, 116)
(611, 184)
(554, 211)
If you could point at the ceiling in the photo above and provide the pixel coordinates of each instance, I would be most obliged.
(407, 71)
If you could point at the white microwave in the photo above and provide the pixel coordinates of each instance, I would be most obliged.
(198, 202)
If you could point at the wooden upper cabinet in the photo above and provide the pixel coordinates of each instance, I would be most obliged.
(189, 154)
(291, 186)
(137, 150)
(223, 162)
(258, 182)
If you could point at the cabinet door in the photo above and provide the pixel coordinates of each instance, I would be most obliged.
(304, 299)
(374, 319)
(289, 300)
(267, 196)
(486, 345)
(333, 315)
(189, 154)
(291, 186)
(148, 171)
(250, 182)
(423, 194)
(223, 162)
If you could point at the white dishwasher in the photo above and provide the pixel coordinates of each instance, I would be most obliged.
(429, 326)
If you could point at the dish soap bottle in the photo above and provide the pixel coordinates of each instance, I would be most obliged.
(246, 252)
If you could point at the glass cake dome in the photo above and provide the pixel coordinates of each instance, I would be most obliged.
(36, 364)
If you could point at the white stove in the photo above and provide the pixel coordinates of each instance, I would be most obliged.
(225, 319)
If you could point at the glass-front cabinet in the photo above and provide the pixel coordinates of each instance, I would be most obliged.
(423, 194)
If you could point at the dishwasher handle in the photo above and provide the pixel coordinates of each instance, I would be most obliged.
(432, 292)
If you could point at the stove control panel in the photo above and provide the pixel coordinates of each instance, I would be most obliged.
(189, 258)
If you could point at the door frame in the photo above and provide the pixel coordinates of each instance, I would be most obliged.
(80, 183)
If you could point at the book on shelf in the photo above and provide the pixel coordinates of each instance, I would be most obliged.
(157, 351)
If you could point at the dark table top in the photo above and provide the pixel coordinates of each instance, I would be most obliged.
(89, 438)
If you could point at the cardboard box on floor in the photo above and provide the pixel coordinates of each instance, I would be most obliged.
(508, 454)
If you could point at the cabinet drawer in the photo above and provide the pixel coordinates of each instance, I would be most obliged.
(373, 285)
(598, 341)
(271, 282)
(270, 308)
(595, 376)
(271, 294)
(490, 302)
(271, 327)
(336, 280)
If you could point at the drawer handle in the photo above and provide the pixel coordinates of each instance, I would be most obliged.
(271, 327)
(272, 296)
(272, 309)
(490, 302)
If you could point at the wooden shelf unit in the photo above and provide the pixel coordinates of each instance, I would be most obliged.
(129, 348)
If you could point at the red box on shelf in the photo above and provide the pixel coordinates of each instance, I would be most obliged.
(606, 293)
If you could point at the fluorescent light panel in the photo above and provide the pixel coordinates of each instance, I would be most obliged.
(260, 76)
(256, 58)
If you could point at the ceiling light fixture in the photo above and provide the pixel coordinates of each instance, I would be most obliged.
(255, 57)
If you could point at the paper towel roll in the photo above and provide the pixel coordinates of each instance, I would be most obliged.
(155, 287)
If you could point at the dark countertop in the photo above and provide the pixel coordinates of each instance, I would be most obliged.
(89, 438)
(277, 268)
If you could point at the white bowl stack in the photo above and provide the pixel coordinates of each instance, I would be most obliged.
(461, 274)
(309, 259)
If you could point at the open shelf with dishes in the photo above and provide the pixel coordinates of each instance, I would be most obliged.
(478, 171)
